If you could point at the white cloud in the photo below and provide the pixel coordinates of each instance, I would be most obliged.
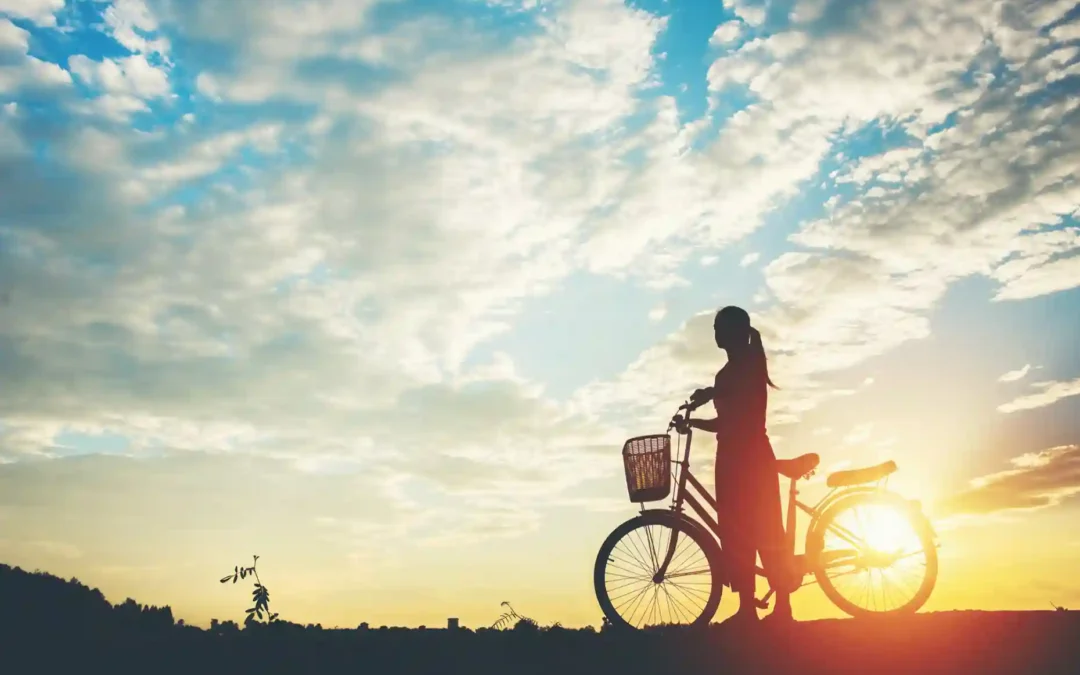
(1015, 375)
(753, 12)
(806, 11)
(1050, 277)
(1048, 394)
(859, 434)
(126, 75)
(32, 73)
(1036, 481)
(426, 255)
(947, 205)
(726, 33)
(1066, 32)
(749, 259)
(327, 312)
(126, 19)
(21, 72)
(13, 38)
(657, 313)
(41, 12)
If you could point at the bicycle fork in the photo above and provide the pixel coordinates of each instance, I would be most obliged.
(661, 570)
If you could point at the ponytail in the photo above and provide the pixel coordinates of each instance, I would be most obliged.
(759, 353)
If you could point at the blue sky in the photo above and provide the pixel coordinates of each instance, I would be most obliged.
(427, 264)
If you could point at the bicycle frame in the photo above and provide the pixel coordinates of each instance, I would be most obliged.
(683, 496)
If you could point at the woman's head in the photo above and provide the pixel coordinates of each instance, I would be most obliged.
(735, 335)
(731, 328)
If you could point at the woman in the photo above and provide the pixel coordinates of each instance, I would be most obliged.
(747, 486)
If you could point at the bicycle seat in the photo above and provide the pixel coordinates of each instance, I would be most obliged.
(798, 466)
(860, 476)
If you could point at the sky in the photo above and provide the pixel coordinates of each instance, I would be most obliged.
(376, 289)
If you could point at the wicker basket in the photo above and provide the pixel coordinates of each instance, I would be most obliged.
(647, 460)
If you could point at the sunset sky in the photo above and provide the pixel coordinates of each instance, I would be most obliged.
(376, 289)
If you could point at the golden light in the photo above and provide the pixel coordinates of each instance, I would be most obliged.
(887, 530)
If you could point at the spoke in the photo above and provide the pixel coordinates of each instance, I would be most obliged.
(616, 578)
(685, 589)
(693, 599)
(615, 589)
(632, 560)
(637, 598)
(636, 574)
(671, 608)
(679, 604)
(690, 591)
(677, 575)
(636, 553)
(641, 548)
(629, 594)
(690, 548)
(652, 549)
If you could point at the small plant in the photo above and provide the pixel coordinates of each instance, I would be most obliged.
(1059, 609)
(260, 595)
(510, 617)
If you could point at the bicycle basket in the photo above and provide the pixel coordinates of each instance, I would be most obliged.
(647, 460)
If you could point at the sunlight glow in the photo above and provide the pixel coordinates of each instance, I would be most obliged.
(888, 530)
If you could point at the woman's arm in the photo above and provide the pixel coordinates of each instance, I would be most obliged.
(711, 426)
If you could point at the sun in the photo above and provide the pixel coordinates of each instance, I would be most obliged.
(886, 529)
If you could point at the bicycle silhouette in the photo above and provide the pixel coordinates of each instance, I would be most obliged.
(677, 576)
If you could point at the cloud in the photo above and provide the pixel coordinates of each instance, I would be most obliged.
(13, 38)
(859, 434)
(726, 33)
(1055, 275)
(126, 83)
(132, 75)
(749, 259)
(313, 291)
(311, 267)
(21, 72)
(129, 22)
(981, 181)
(1015, 375)
(1048, 394)
(192, 509)
(752, 12)
(1037, 480)
(41, 12)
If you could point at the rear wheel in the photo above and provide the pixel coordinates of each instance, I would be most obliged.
(634, 587)
(873, 554)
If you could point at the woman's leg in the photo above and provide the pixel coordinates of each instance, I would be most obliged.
(738, 540)
(771, 540)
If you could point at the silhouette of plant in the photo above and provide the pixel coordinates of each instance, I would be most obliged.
(260, 595)
(511, 617)
(1060, 609)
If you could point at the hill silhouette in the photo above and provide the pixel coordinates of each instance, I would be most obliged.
(50, 625)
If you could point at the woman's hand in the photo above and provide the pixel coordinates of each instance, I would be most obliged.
(680, 424)
(701, 396)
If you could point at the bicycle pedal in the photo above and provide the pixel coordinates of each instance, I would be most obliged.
(761, 603)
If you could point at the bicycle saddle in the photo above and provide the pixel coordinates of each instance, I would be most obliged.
(798, 466)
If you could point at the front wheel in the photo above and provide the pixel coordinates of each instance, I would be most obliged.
(873, 554)
(658, 569)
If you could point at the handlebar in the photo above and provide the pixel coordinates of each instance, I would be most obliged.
(687, 407)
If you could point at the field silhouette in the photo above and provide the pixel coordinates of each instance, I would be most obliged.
(50, 625)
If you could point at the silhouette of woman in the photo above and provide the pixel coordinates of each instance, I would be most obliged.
(747, 485)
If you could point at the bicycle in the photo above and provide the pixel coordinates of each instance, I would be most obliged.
(676, 578)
